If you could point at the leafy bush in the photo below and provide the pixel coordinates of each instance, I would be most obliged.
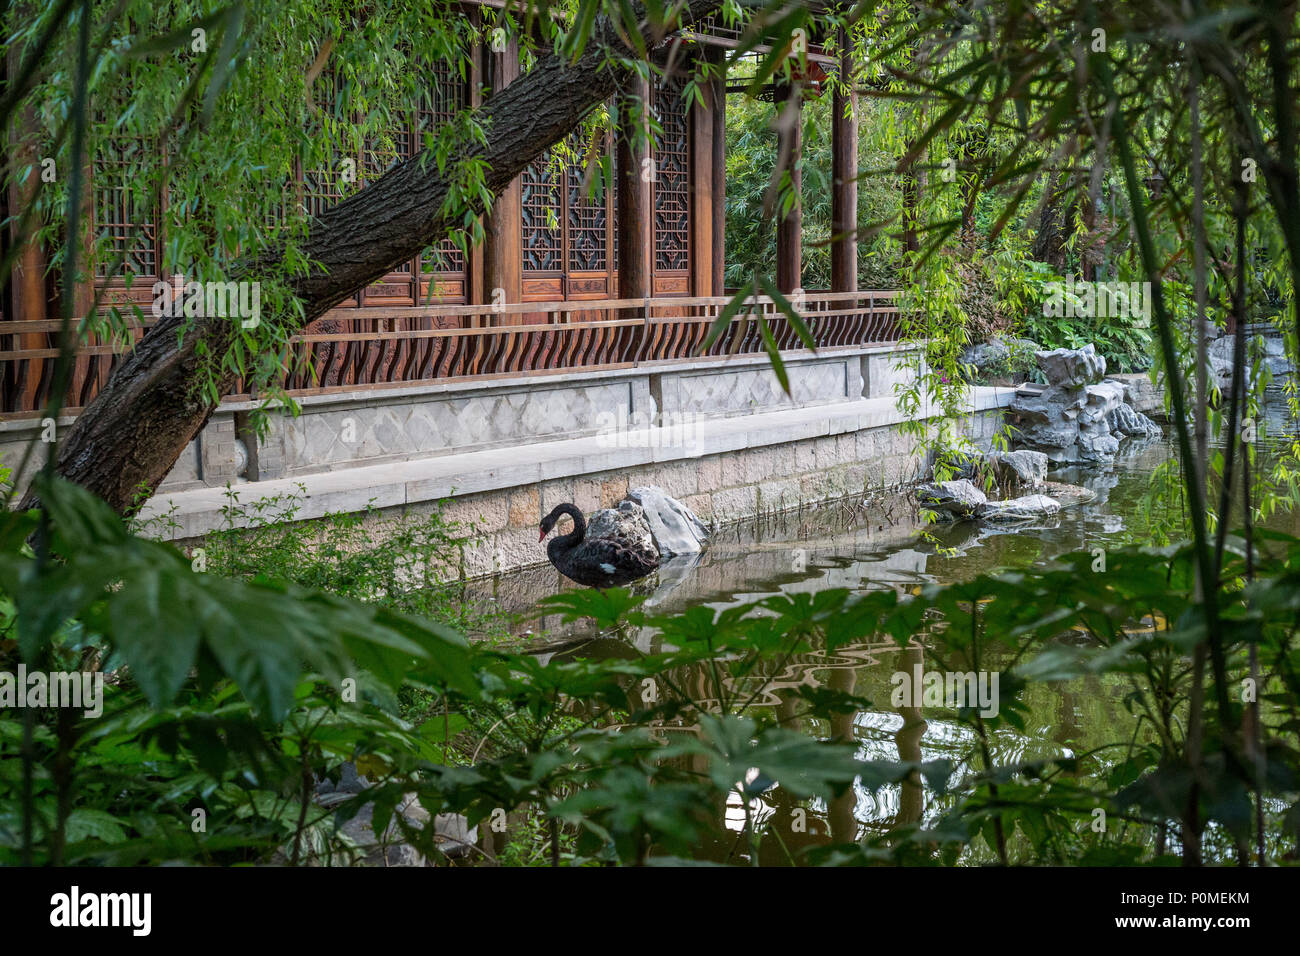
(226, 700)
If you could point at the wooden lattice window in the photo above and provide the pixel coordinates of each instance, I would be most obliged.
(126, 213)
(566, 229)
(323, 187)
(447, 95)
(588, 215)
(672, 196)
(672, 178)
(540, 210)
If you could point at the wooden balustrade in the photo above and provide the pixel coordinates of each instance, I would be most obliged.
(351, 349)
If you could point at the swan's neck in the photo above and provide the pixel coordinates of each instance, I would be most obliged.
(574, 537)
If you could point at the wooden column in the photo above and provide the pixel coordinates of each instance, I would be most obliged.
(635, 217)
(719, 176)
(503, 242)
(475, 284)
(24, 288)
(27, 279)
(844, 178)
(789, 228)
(703, 196)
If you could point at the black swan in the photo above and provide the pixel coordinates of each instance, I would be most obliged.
(614, 558)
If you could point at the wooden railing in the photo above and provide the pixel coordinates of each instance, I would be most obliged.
(365, 348)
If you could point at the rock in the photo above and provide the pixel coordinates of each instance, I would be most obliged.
(354, 841)
(986, 355)
(1070, 420)
(1096, 443)
(1220, 355)
(453, 834)
(1262, 341)
(1019, 469)
(1025, 508)
(628, 521)
(956, 499)
(960, 463)
(998, 355)
(375, 850)
(1141, 393)
(1058, 441)
(674, 527)
(1125, 420)
(350, 782)
(1071, 368)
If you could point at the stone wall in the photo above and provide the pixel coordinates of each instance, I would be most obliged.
(721, 488)
(497, 456)
(343, 430)
(216, 457)
(374, 426)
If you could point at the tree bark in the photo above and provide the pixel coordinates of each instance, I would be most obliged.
(127, 440)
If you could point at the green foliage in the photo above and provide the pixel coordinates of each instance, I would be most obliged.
(627, 760)
(407, 563)
(233, 695)
(751, 157)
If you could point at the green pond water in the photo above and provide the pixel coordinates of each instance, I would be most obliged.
(863, 547)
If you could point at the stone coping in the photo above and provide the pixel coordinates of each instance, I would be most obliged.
(396, 484)
(534, 380)
(543, 378)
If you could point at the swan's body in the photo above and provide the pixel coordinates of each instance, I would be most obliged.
(612, 555)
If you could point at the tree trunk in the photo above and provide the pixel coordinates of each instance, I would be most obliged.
(127, 440)
(1055, 224)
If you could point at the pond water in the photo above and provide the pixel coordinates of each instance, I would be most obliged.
(866, 546)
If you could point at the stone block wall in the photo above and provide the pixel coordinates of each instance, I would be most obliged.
(376, 426)
(721, 488)
(215, 457)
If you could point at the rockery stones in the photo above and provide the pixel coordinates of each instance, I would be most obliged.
(1078, 416)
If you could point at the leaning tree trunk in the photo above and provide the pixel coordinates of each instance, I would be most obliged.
(126, 441)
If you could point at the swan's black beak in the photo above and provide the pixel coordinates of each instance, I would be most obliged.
(542, 537)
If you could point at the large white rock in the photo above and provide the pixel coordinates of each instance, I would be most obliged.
(1071, 368)
(676, 528)
(1024, 508)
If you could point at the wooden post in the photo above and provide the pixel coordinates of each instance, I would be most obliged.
(635, 218)
(475, 284)
(703, 186)
(844, 178)
(27, 280)
(503, 240)
(719, 177)
(789, 229)
(24, 289)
